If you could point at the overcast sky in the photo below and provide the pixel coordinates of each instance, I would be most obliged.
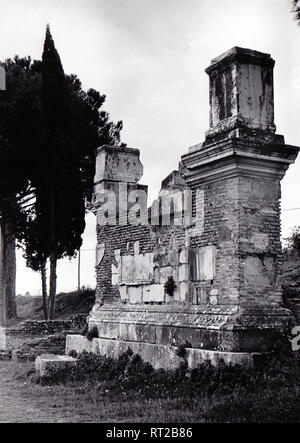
(148, 57)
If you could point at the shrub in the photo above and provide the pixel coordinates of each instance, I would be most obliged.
(84, 330)
(230, 387)
(181, 349)
(92, 333)
(73, 353)
(170, 286)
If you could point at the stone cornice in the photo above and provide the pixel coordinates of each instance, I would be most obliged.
(240, 55)
(234, 157)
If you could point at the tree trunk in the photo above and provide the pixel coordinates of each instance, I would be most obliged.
(53, 258)
(9, 257)
(2, 280)
(10, 274)
(44, 290)
(53, 262)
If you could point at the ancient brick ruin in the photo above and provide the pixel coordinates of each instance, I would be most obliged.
(221, 259)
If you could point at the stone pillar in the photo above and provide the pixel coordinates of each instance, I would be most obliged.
(241, 91)
(116, 191)
(239, 168)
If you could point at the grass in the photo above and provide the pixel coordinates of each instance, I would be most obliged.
(67, 303)
(130, 390)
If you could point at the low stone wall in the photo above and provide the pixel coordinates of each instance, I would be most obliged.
(159, 356)
(48, 327)
(31, 338)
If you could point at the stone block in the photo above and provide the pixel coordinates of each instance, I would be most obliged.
(213, 300)
(255, 274)
(46, 363)
(260, 241)
(203, 296)
(114, 279)
(241, 89)
(2, 339)
(117, 254)
(100, 251)
(197, 356)
(137, 268)
(135, 294)
(194, 296)
(114, 275)
(207, 262)
(136, 247)
(153, 293)
(123, 292)
(203, 263)
(114, 269)
(184, 256)
(118, 165)
(183, 273)
(161, 274)
(176, 294)
(156, 275)
(184, 288)
(108, 329)
(160, 356)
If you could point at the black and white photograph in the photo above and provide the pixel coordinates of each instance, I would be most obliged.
(149, 214)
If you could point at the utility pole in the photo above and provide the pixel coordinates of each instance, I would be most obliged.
(78, 271)
(2, 280)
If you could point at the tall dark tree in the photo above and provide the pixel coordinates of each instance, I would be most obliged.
(49, 131)
(296, 10)
(59, 202)
(73, 126)
(19, 120)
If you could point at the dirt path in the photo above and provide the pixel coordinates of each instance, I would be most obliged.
(24, 402)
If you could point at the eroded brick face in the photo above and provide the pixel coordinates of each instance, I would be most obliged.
(241, 220)
(214, 280)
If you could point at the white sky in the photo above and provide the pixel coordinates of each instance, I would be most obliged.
(148, 57)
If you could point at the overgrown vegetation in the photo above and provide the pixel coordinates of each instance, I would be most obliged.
(268, 393)
(92, 333)
(67, 304)
(292, 244)
(170, 286)
(181, 349)
(296, 10)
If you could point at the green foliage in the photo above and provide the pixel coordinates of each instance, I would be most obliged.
(170, 286)
(92, 333)
(296, 10)
(129, 352)
(268, 393)
(71, 128)
(73, 353)
(50, 129)
(292, 247)
(181, 349)
(20, 110)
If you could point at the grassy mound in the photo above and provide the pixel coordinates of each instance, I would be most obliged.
(67, 304)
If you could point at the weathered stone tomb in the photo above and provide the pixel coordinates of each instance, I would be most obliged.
(202, 265)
